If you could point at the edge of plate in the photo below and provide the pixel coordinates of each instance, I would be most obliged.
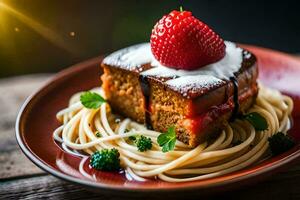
(266, 171)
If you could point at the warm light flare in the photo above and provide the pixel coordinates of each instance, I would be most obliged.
(39, 28)
(1, 10)
(5, 32)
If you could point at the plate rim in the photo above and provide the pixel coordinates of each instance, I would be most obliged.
(282, 161)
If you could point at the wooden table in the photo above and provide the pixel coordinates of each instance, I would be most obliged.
(20, 179)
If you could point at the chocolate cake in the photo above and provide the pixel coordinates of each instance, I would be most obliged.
(196, 102)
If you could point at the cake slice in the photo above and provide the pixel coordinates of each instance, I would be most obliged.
(196, 102)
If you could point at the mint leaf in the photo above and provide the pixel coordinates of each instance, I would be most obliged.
(167, 140)
(258, 121)
(91, 100)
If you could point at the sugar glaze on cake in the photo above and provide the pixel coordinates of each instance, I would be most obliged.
(197, 102)
(135, 57)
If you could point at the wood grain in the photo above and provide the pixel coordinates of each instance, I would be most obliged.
(41, 187)
(48, 187)
(20, 179)
(13, 92)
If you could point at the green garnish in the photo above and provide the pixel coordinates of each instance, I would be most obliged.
(258, 121)
(106, 160)
(98, 134)
(143, 143)
(181, 9)
(280, 143)
(91, 100)
(167, 140)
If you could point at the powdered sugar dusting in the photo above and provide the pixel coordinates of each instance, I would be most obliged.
(139, 56)
(130, 58)
(187, 84)
(134, 57)
(223, 69)
(247, 54)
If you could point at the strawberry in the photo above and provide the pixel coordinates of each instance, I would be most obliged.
(181, 41)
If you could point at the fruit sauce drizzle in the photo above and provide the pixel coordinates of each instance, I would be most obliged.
(236, 106)
(145, 86)
(135, 57)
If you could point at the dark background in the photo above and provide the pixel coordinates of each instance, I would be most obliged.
(47, 36)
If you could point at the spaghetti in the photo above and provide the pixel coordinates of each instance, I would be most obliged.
(238, 145)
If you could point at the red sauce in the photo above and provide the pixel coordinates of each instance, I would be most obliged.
(145, 86)
(200, 122)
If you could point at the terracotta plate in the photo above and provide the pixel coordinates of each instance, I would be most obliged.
(37, 121)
